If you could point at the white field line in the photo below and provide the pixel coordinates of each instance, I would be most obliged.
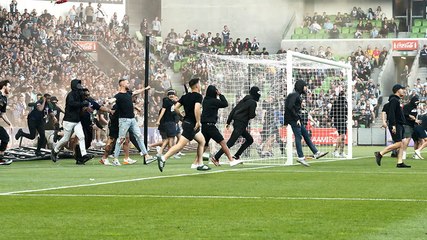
(131, 180)
(181, 175)
(225, 197)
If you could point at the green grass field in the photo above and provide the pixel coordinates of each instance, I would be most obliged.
(349, 199)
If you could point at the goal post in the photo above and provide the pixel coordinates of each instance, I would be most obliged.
(276, 75)
(347, 68)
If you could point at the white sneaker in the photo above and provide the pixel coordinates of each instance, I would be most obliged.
(105, 162)
(235, 162)
(335, 154)
(116, 162)
(418, 154)
(303, 162)
(181, 154)
(194, 166)
(343, 155)
(100, 144)
(415, 156)
(128, 161)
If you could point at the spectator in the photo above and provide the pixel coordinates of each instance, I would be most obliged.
(384, 31)
(334, 33)
(423, 56)
(315, 27)
(374, 33)
(89, 13)
(225, 35)
(157, 27)
(328, 24)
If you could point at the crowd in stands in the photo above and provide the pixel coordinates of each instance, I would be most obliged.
(37, 54)
(355, 24)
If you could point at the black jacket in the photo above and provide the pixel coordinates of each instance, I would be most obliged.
(395, 113)
(211, 104)
(244, 110)
(293, 103)
(73, 103)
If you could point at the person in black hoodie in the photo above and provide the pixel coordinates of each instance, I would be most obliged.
(240, 115)
(293, 118)
(396, 120)
(71, 122)
(210, 106)
(339, 114)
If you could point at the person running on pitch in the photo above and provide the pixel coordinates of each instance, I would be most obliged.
(241, 114)
(36, 120)
(192, 103)
(127, 121)
(74, 104)
(211, 104)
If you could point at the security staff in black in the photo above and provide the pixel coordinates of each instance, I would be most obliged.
(240, 115)
(36, 122)
(4, 137)
(396, 120)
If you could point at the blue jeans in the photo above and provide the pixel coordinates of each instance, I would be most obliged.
(126, 124)
(299, 133)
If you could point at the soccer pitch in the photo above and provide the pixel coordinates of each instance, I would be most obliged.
(347, 199)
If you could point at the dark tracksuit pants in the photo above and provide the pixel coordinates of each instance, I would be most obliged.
(36, 126)
(239, 129)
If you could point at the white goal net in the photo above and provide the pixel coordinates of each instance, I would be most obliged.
(275, 75)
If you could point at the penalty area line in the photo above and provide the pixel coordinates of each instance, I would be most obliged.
(357, 199)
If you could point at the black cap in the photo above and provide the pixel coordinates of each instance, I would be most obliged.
(397, 87)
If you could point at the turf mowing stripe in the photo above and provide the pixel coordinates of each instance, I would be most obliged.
(225, 197)
(131, 180)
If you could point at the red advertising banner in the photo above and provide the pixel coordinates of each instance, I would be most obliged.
(405, 45)
(88, 46)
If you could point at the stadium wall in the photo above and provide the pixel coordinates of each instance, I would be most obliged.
(62, 9)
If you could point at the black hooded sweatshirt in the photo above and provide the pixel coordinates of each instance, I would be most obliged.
(73, 103)
(411, 109)
(211, 104)
(395, 113)
(293, 103)
(244, 110)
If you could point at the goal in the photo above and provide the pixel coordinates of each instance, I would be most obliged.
(275, 75)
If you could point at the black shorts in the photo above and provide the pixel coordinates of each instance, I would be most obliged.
(419, 133)
(210, 131)
(170, 129)
(113, 131)
(341, 127)
(400, 132)
(188, 130)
